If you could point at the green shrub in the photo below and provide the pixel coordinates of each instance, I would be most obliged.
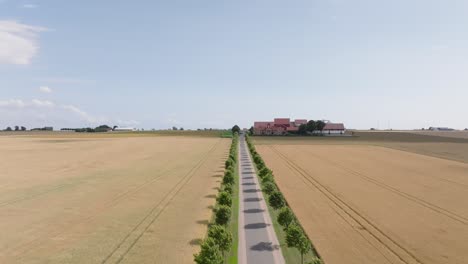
(224, 198)
(228, 188)
(268, 178)
(210, 253)
(264, 171)
(228, 163)
(221, 236)
(269, 187)
(276, 200)
(228, 178)
(223, 214)
(285, 217)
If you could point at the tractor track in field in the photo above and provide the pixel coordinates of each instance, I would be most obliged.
(388, 149)
(154, 213)
(417, 200)
(402, 253)
(97, 211)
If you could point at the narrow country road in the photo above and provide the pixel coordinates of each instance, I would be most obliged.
(258, 243)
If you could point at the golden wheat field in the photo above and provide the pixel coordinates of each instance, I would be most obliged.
(106, 199)
(367, 203)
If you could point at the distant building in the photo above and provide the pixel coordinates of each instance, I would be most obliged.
(283, 126)
(124, 129)
(43, 129)
(333, 129)
(441, 129)
(279, 126)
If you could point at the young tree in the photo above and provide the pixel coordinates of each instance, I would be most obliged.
(311, 126)
(263, 172)
(285, 217)
(224, 198)
(17, 128)
(229, 162)
(223, 214)
(8, 129)
(302, 130)
(228, 177)
(221, 236)
(235, 129)
(23, 128)
(320, 125)
(276, 200)
(295, 238)
(315, 260)
(267, 178)
(209, 253)
(251, 130)
(269, 187)
(228, 188)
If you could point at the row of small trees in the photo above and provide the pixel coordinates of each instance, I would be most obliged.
(17, 128)
(295, 235)
(219, 239)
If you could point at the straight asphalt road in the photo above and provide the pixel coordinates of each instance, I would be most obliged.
(258, 243)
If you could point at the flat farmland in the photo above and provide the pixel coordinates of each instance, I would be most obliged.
(106, 199)
(372, 204)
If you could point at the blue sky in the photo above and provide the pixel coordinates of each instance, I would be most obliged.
(196, 64)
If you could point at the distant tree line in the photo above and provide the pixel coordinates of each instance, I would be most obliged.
(99, 129)
(16, 128)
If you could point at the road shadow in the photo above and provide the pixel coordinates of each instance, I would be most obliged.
(210, 196)
(249, 183)
(217, 176)
(203, 222)
(252, 190)
(256, 226)
(264, 246)
(253, 211)
(210, 207)
(247, 178)
(196, 242)
(247, 200)
(248, 172)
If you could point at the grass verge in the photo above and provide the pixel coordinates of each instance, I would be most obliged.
(234, 224)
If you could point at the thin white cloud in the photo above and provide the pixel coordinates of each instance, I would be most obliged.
(39, 103)
(30, 6)
(18, 42)
(16, 103)
(61, 80)
(37, 111)
(45, 89)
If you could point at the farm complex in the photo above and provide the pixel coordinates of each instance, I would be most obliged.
(366, 201)
(284, 126)
(106, 199)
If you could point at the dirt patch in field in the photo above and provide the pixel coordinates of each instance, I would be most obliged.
(370, 204)
(110, 200)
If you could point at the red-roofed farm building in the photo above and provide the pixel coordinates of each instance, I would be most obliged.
(283, 126)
